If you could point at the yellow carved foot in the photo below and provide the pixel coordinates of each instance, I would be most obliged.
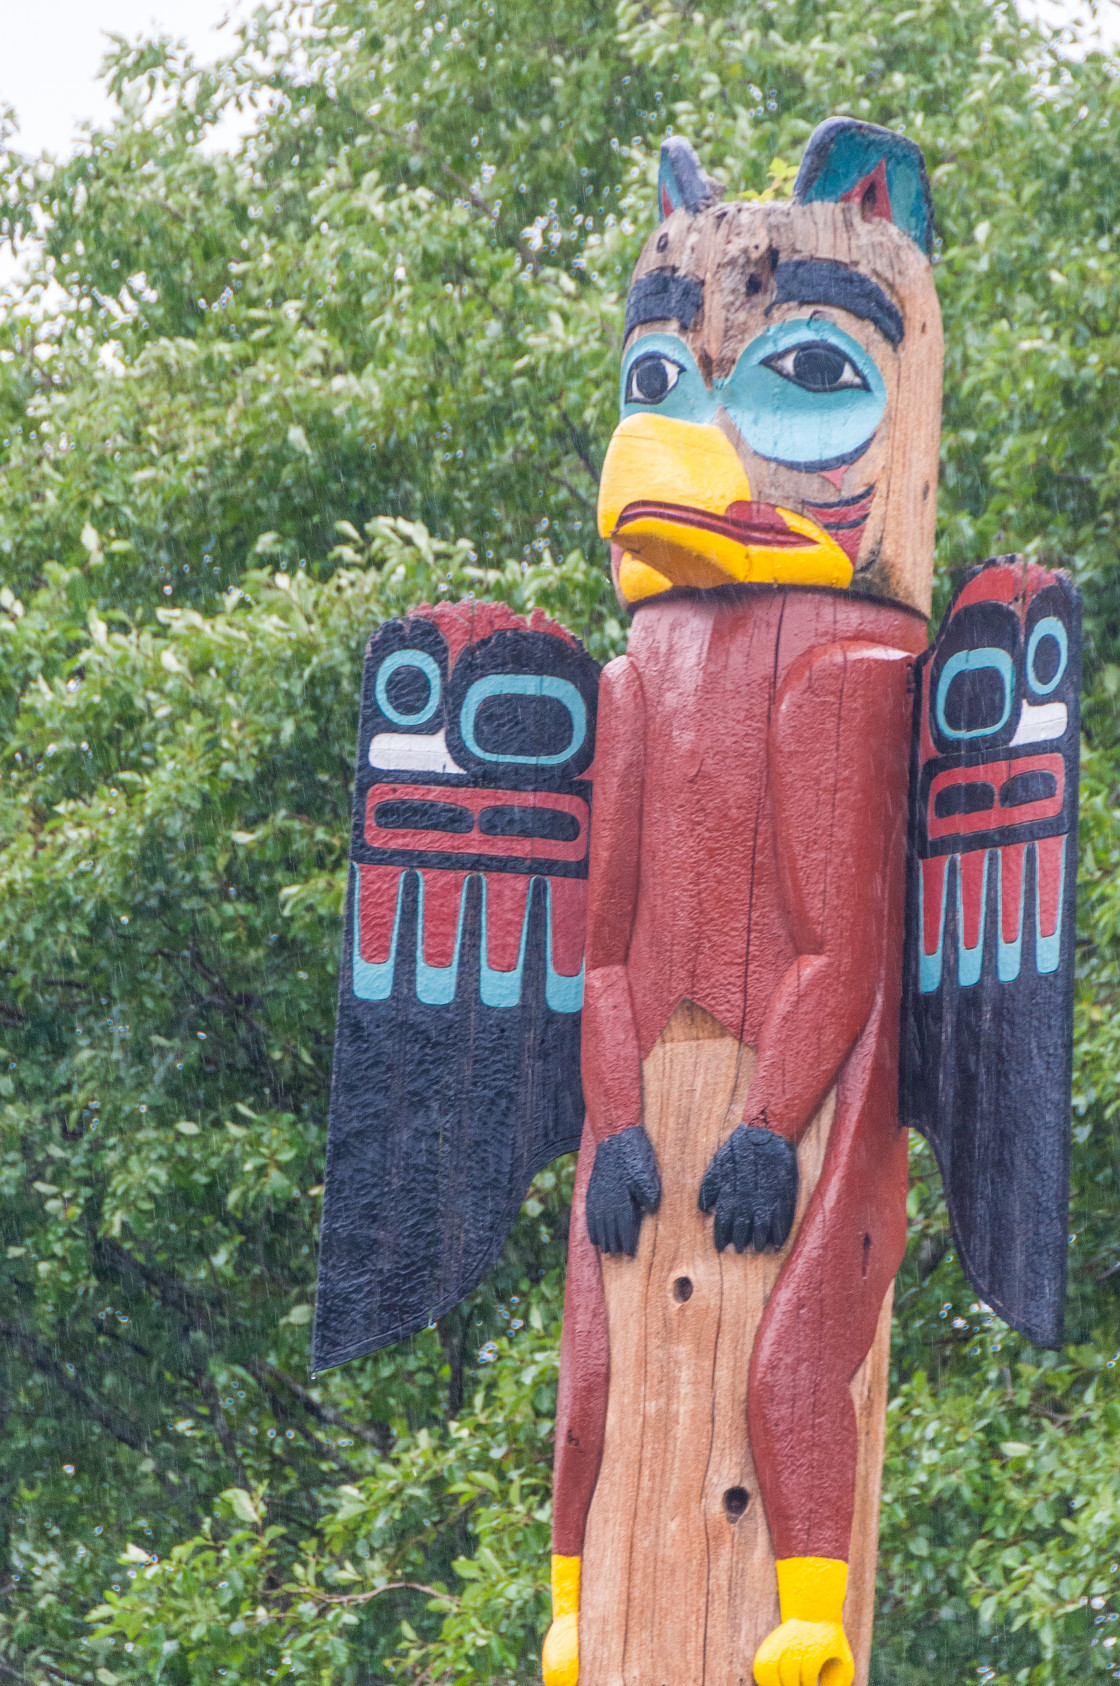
(560, 1659)
(810, 1646)
(803, 1653)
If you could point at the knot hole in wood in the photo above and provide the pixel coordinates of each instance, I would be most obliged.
(735, 1502)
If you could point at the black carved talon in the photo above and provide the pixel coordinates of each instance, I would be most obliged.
(625, 1182)
(751, 1185)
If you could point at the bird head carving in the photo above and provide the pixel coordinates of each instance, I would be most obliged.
(781, 381)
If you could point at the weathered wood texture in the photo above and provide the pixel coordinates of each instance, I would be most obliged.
(726, 248)
(678, 1578)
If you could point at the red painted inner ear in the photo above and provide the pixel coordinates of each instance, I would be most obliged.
(872, 195)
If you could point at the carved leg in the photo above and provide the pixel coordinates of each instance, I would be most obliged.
(817, 1329)
(581, 1414)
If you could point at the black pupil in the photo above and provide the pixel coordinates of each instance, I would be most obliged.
(1047, 656)
(518, 725)
(818, 367)
(408, 689)
(651, 379)
(975, 701)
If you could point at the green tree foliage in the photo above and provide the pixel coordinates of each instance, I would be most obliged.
(253, 400)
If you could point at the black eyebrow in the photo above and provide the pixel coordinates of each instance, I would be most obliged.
(661, 297)
(823, 281)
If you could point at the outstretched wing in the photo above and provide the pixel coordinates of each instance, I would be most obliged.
(456, 1065)
(987, 1027)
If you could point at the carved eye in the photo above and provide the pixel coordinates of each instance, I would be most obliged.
(408, 687)
(650, 378)
(975, 693)
(528, 719)
(817, 367)
(1047, 655)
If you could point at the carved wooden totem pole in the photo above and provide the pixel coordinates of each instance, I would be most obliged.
(790, 793)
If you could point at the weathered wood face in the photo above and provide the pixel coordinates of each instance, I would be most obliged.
(780, 401)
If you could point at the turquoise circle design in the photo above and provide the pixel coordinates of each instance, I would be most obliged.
(791, 425)
(689, 400)
(972, 661)
(430, 670)
(524, 685)
(1048, 627)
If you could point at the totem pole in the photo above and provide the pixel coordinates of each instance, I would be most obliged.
(827, 891)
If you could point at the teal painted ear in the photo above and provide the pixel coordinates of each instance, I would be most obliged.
(884, 173)
(681, 181)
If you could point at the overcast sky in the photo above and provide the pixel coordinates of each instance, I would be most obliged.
(51, 50)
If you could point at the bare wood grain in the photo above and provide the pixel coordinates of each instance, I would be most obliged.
(675, 1591)
(869, 1395)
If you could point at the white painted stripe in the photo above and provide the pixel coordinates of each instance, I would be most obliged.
(412, 752)
(1040, 723)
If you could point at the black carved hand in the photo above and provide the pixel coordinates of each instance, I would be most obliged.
(751, 1185)
(624, 1183)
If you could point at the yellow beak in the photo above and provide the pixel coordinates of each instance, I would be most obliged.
(675, 497)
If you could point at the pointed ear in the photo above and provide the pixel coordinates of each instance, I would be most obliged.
(884, 173)
(681, 181)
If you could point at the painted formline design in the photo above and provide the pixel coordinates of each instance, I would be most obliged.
(968, 880)
(381, 889)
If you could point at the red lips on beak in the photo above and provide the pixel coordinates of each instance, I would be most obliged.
(746, 523)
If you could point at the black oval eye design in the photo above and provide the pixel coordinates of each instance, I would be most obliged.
(817, 367)
(650, 378)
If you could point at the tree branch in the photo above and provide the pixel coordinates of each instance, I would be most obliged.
(562, 480)
(121, 1428)
(118, 1261)
(284, 1410)
(393, 1586)
(381, 1438)
(7, 1672)
(220, 1421)
(580, 446)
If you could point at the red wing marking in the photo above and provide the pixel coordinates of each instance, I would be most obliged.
(505, 917)
(848, 538)
(569, 923)
(474, 842)
(1012, 857)
(443, 892)
(377, 911)
(933, 892)
(1008, 584)
(995, 817)
(844, 511)
(1050, 851)
(973, 879)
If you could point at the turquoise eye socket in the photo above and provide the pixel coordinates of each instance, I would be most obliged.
(660, 375)
(803, 394)
(806, 395)
(817, 367)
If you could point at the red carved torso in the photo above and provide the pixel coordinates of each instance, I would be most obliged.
(710, 923)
